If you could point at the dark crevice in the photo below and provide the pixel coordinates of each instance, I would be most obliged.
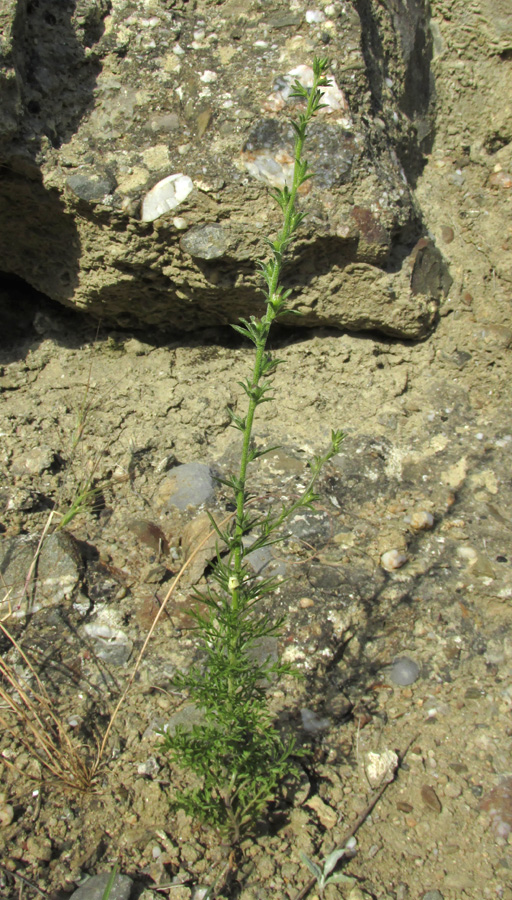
(408, 40)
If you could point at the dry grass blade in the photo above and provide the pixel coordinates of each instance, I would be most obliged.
(156, 620)
(40, 729)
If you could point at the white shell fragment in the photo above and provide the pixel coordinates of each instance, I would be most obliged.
(393, 559)
(380, 767)
(167, 194)
(421, 520)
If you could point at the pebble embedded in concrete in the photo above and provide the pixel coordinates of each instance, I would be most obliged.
(393, 559)
(404, 671)
(205, 241)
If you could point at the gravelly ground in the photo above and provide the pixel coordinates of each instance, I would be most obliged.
(428, 431)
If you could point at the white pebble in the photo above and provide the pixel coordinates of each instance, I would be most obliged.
(393, 559)
(165, 195)
(421, 520)
(404, 671)
(467, 553)
(380, 767)
(104, 632)
(314, 16)
(208, 76)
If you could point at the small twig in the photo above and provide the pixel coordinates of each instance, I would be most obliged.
(24, 880)
(361, 817)
(36, 557)
(223, 876)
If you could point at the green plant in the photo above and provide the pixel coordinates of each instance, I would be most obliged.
(327, 875)
(110, 883)
(236, 753)
(86, 497)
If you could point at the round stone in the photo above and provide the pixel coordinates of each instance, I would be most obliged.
(404, 671)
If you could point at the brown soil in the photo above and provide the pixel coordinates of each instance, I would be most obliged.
(428, 431)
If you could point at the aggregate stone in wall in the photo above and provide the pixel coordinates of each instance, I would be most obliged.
(139, 143)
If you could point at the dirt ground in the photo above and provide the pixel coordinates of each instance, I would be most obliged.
(424, 471)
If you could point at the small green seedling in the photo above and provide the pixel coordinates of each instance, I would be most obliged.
(327, 875)
(86, 497)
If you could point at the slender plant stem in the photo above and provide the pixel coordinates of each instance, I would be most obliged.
(254, 391)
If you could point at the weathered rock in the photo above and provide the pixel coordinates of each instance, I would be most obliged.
(140, 99)
(109, 643)
(32, 582)
(188, 485)
(94, 888)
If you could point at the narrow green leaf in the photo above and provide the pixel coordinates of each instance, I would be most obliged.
(332, 860)
(340, 878)
(312, 866)
(110, 882)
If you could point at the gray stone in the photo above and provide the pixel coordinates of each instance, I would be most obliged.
(313, 527)
(206, 241)
(51, 583)
(264, 650)
(187, 717)
(90, 187)
(111, 644)
(312, 722)
(433, 895)
(191, 484)
(404, 671)
(263, 561)
(94, 888)
(116, 654)
(74, 133)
